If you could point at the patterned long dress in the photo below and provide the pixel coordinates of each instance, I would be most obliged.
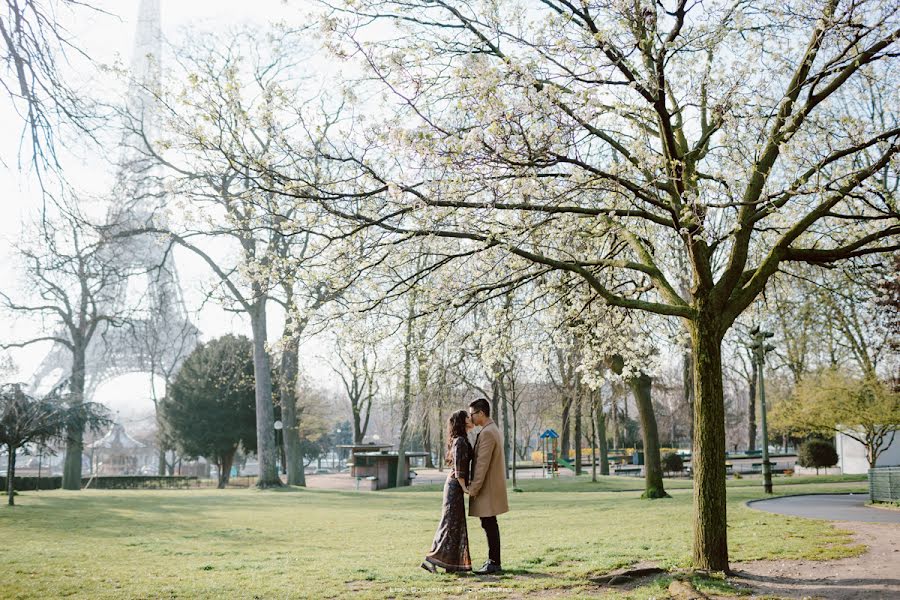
(450, 548)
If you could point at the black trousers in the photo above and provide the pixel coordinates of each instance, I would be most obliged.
(489, 524)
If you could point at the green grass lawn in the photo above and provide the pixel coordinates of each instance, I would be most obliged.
(327, 544)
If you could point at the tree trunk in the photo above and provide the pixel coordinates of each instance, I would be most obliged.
(601, 437)
(578, 432)
(641, 386)
(439, 436)
(225, 469)
(505, 410)
(495, 398)
(687, 375)
(565, 440)
(265, 410)
(402, 473)
(710, 548)
(290, 367)
(10, 475)
(71, 479)
(161, 459)
(593, 444)
(426, 439)
(514, 433)
(614, 408)
(751, 408)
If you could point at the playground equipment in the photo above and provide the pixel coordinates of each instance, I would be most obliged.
(549, 450)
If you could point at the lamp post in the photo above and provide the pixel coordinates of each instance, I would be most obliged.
(761, 347)
(336, 449)
(278, 426)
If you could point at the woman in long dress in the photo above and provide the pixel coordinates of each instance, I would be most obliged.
(450, 549)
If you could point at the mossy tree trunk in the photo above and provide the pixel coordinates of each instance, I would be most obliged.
(642, 386)
(710, 548)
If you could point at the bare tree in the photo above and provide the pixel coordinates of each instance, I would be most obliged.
(357, 370)
(74, 282)
(35, 48)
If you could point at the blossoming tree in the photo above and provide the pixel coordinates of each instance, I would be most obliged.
(734, 136)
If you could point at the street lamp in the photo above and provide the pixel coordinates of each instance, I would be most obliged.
(760, 348)
(336, 449)
(280, 454)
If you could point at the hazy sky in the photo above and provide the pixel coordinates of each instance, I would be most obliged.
(108, 39)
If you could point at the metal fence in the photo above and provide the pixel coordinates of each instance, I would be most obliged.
(884, 484)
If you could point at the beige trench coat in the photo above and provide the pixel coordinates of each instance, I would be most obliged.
(489, 475)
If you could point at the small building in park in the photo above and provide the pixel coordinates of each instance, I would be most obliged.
(375, 467)
(361, 449)
(852, 454)
(117, 453)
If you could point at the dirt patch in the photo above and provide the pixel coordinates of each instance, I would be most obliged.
(628, 575)
(872, 575)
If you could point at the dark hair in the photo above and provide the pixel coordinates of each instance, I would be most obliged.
(456, 427)
(481, 405)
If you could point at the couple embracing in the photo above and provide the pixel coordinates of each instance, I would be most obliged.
(479, 472)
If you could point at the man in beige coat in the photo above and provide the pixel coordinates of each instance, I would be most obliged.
(488, 488)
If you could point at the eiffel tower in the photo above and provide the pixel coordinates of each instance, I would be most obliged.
(162, 336)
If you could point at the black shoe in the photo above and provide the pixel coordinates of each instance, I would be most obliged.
(489, 568)
(428, 566)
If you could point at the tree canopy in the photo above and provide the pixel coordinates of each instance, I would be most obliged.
(862, 408)
(210, 407)
(26, 422)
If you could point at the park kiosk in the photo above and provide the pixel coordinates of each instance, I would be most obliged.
(374, 467)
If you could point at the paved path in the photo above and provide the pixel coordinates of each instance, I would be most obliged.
(830, 507)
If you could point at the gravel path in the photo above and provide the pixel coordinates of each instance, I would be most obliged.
(830, 507)
(873, 575)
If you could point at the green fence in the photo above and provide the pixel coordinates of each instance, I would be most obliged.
(884, 484)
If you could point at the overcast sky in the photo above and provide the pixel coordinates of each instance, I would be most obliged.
(107, 39)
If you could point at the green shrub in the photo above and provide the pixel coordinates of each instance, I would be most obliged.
(672, 462)
(817, 453)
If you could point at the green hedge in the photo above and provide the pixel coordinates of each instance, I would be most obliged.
(125, 482)
(24, 484)
(110, 482)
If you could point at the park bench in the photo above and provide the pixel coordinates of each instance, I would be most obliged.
(629, 470)
(757, 467)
